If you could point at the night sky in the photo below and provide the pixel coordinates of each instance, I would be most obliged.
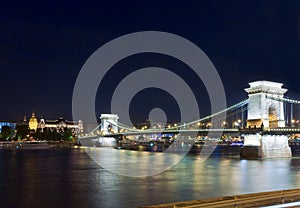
(43, 46)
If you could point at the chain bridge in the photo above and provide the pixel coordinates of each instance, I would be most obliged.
(266, 120)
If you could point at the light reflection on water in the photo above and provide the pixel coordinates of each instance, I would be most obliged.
(69, 178)
(134, 163)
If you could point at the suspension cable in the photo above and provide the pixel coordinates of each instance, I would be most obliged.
(123, 126)
(240, 104)
(283, 99)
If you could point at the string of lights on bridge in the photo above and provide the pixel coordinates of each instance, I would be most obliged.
(283, 99)
(175, 127)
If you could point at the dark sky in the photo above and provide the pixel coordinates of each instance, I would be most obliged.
(43, 46)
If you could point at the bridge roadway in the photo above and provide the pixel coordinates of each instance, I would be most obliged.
(273, 131)
(168, 131)
(281, 131)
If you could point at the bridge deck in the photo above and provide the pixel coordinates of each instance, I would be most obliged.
(282, 130)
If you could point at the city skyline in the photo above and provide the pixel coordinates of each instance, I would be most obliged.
(149, 103)
(44, 47)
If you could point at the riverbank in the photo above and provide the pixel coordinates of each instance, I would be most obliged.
(37, 145)
(243, 201)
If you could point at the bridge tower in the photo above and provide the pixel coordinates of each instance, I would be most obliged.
(264, 111)
(267, 113)
(109, 123)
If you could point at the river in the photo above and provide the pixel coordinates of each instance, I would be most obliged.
(69, 178)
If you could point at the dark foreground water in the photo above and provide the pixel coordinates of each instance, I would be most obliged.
(69, 178)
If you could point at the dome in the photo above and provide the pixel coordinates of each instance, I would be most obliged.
(33, 122)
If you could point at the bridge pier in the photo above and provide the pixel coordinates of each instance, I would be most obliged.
(258, 146)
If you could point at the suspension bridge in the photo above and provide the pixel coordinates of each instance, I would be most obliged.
(266, 120)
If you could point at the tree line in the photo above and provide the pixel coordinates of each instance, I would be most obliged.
(22, 132)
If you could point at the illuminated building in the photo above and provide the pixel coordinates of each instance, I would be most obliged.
(60, 124)
(33, 122)
(11, 125)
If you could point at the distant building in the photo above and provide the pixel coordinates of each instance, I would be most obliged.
(33, 123)
(60, 124)
(12, 125)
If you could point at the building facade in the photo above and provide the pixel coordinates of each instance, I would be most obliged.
(59, 125)
(33, 122)
(12, 125)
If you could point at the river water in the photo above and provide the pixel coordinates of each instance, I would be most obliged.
(69, 178)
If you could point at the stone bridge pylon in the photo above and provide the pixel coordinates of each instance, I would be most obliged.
(261, 109)
(265, 113)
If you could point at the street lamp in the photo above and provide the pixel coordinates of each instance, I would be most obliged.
(224, 123)
(293, 122)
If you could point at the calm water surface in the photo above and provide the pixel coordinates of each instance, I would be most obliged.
(69, 178)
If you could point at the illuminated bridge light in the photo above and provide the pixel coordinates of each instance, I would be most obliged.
(204, 122)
